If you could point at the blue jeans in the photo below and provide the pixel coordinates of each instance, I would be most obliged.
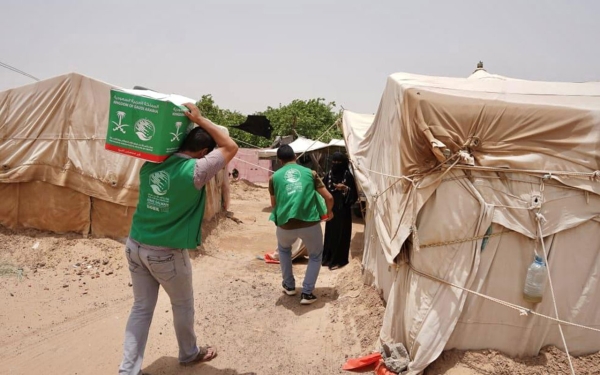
(312, 237)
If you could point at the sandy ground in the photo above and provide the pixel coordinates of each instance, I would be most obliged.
(66, 300)
(550, 360)
(65, 312)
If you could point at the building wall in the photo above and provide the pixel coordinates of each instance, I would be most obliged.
(250, 167)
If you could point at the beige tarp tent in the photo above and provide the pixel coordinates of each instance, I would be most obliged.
(463, 176)
(55, 173)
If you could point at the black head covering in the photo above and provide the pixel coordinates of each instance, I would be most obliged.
(339, 166)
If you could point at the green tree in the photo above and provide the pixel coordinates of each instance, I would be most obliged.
(308, 118)
(228, 119)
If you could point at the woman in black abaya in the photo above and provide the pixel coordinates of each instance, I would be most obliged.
(338, 231)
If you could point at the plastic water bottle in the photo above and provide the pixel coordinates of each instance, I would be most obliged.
(536, 281)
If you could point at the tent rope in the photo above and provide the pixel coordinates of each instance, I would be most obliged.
(593, 176)
(305, 151)
(461, 240)
(358, 166)
(413, 178)
(440, 177)
(255, 165)
(244, 142)
(540, 218)
(317, 140)
(523, 311)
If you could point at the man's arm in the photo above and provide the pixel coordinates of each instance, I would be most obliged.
(322, 190)
(208, 167)
(328, 200)
(226, 145)
(272, 192)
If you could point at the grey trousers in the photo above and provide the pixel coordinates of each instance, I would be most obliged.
(312, 237)
(151, 269)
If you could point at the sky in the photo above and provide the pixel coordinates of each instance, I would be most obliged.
(254, 54)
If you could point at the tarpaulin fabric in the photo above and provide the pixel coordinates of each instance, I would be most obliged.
(361, 362)
(53, 131)
(256, 125)
(445, 162)
(300, 145)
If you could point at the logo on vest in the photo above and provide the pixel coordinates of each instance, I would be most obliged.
(144, 129)
(292, 176)
(160, 182)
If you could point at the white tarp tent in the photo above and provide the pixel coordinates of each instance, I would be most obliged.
(337, 143)
(55, 173)
(300, 145)
(315, 151)
(463, 176)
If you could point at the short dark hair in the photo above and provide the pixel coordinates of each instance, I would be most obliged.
(198, 139)
(286, 153)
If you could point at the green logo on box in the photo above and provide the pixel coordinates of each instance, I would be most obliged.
(145, 127)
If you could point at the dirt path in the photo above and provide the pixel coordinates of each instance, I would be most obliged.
(66, 299)
(65, 313)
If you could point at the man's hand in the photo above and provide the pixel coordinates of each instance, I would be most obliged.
(328, 199)
(329, 216)
(226, 145)
(194, 113)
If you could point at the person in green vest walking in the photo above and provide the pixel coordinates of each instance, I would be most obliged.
(167, 223)
(297, 212)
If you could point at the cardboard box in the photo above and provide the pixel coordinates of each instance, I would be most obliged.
(146, 124)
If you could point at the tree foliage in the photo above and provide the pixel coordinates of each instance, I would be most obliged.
(307, 118)
(229, 118)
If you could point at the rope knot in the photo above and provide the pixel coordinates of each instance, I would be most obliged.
(523, 312)
(539, 217)
(595, 176)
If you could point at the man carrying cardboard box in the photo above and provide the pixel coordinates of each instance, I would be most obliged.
(166, 224)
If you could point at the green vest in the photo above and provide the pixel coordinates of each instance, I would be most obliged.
(295, 196)
(170, 208)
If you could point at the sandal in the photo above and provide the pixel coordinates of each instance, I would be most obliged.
(337, 266)
(205, 354)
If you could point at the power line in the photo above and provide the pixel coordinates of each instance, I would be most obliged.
(12, 68)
